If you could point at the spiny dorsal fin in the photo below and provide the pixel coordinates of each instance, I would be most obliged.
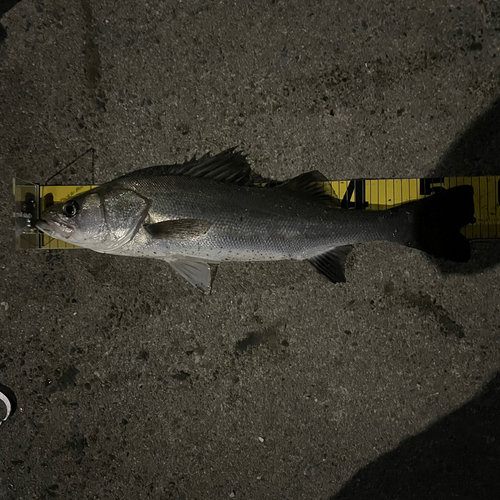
(229, 166)
(312, 184)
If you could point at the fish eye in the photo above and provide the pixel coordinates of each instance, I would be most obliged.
(70, 208)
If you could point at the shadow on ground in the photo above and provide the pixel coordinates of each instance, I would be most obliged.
(456, 458)
(475, 152)
(5, 6)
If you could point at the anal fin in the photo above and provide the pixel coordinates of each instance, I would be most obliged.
(199, 273)
(332, 263)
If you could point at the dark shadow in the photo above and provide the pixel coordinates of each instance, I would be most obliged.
(5, 6)
(475, 152)
(458, 457)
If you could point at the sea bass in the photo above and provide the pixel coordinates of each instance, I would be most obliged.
(215, 209)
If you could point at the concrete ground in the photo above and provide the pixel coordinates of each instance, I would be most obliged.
(279, 385)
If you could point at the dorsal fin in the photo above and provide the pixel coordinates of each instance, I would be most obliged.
(312, 184)
(231, 166)
(228, 166)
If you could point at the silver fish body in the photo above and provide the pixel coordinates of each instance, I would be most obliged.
(208, 211)
(247, 223)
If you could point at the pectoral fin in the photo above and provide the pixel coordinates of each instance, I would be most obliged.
(178, 229)
(200, 274)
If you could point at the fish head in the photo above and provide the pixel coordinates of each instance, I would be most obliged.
(103, 219)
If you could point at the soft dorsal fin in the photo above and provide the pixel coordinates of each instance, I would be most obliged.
(311, 184)
(229, 166)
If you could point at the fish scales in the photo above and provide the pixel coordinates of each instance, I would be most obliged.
(248, 223)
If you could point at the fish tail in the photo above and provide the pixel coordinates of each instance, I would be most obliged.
(435, 223)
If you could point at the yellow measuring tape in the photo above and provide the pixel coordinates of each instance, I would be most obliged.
(380, 194)
(357, 194)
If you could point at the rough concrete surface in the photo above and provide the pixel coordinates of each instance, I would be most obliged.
(278, 385)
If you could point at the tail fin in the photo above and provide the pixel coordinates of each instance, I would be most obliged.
(436, 221)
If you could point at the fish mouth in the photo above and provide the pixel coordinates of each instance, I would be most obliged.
(42, 225)
(54, 228)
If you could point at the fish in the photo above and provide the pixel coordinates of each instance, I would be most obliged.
(214, 209)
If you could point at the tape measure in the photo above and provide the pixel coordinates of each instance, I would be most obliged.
(381, 194)
(356, 194)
